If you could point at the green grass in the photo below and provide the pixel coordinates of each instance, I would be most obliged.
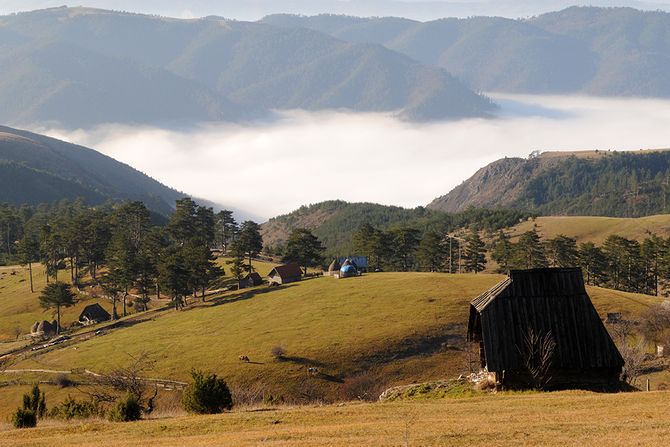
(338, 325)
(20, 309)
(596, 229)
(401, 327)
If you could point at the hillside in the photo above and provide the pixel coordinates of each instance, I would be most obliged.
(76, 67)
(596, 229)
(396, 328)
(335, 222)
(601, 51)
(37, 169)
(618, 184)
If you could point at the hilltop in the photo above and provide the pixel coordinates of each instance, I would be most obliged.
(588, 50)
(37, 169)
(77, 67)
(590, 183)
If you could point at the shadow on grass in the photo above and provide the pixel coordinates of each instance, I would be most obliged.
(243, 295)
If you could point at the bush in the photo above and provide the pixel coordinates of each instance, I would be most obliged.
(127, 409)
(24, 418)
(64, 381)
(74, 409)
(207, 394)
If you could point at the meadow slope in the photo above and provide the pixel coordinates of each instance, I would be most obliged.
(393, 328)
(596, 229)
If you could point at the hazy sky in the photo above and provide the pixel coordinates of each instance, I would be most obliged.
(255, 9)
(310, 157)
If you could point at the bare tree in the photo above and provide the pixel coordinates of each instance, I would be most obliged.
(537, 354)
(632, 349)
(124, 380)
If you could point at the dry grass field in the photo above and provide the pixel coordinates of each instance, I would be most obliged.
(596, 229)
(535, 419)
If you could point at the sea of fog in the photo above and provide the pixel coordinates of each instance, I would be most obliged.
(303, 157)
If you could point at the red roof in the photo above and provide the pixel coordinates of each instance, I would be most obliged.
(287, 271)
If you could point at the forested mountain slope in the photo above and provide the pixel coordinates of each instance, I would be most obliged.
(618, 184)
(36, 169)
(603, 51)
(335, 222)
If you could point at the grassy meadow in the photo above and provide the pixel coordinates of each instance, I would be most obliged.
(596, 229)
(394, 328)
(533, 419)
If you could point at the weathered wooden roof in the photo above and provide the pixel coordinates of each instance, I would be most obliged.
(286, 271)
(254, 276)
(546, 301)
(94, 312)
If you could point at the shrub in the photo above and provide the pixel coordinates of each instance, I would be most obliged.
(207, 394)
(64, 381)
(35, 401)
(24, 418)
(278, 352)
(127, 409)
(73, 409)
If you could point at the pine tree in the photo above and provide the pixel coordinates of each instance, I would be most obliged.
(432, 252)
(530, 251)
(250, 241)
(502, 252)
(475, 253)
(303, 248)
(593, 263)
(562, 251)
(56, 296)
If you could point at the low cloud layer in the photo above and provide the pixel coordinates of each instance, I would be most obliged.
(304, 158)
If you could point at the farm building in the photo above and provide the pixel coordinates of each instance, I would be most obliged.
(360, 262)
(252, 280)
(348, 269)
(44, 329)
(543, 313)
(284, 274)
(93, 314)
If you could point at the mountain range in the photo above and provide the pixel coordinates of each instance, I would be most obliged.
(78, 67)
(587, 50)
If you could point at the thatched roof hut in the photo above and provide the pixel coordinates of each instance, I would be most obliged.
(543, 305)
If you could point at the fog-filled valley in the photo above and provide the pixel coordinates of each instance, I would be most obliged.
(272, 168)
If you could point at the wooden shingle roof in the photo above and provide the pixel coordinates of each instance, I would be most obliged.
(546, 301)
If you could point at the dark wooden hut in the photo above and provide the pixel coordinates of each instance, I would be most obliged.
(93, 314)
(284, 274)
(253, 279)
(550, 303)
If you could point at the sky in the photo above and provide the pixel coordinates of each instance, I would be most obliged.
(255, 9)
(303, 158)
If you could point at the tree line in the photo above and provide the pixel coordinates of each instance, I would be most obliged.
(124, 250)
(618, 263)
